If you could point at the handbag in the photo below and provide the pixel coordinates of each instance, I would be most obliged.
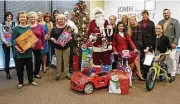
(54, 61)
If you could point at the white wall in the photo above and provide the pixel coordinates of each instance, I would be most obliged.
(111, 7)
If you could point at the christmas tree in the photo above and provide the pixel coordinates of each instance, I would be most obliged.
(80, 17)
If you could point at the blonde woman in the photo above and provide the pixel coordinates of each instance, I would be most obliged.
(135, 32)
(40, 34)
(62, 52)
(125, 19)
(45, 50)
(22, 58)
(47, 19)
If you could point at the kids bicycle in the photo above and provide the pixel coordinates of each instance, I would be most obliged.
(122, 63)
(157, 71)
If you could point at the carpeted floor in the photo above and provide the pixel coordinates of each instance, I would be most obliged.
(58, 92)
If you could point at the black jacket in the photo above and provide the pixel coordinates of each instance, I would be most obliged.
(147, 33)
(162, 44)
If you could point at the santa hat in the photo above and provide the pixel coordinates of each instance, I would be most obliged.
(97, 9)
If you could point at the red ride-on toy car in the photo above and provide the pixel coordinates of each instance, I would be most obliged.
(86, 80)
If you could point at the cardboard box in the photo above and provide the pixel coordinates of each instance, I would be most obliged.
(26, 40)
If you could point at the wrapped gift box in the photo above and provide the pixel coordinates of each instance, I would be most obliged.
(106, 68)
(26, 40)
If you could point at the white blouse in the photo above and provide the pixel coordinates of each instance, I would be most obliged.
(121, 34)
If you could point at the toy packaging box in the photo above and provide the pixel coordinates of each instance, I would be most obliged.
(26, 40)
(86, 57)
(64, 38)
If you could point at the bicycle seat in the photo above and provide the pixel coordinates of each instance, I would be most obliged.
(125, 54)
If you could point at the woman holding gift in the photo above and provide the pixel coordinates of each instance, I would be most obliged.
(22, 58)
(62, 51)
(6, 33)
(39, 32)
(120, 43)
(45, 50)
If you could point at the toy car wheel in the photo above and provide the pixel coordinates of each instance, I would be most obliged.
(88, 88)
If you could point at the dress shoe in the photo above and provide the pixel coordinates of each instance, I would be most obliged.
(8, 76)
(20, 86)
(34, 84)
(38, 77)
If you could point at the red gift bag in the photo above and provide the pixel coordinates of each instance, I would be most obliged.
(75, 63)
(124, 81)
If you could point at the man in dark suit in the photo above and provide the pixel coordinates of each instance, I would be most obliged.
(147, 28)
(172, 30)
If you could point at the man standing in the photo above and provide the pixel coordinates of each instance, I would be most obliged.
(73, 45)
(147, 28)
(112, 22)
(97, 32)
(172, 30)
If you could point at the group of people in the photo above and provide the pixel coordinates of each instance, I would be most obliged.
(47, 30)
(107, 37)
(129, 34)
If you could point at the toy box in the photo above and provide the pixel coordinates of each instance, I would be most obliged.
(26, 40)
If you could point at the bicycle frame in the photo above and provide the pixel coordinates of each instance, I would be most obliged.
(157, 68)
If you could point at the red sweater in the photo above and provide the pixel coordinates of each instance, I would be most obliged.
(40, 34)
(121, 43)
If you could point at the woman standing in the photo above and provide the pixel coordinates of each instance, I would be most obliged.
(47, 19)
(55, 14)
(45, 50)
(135, 32)
(22, 58)
(62, 52)
(39, 32)
(6, 33)
(120, 43)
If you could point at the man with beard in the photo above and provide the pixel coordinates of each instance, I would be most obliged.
(172, 30)
(97, 32)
